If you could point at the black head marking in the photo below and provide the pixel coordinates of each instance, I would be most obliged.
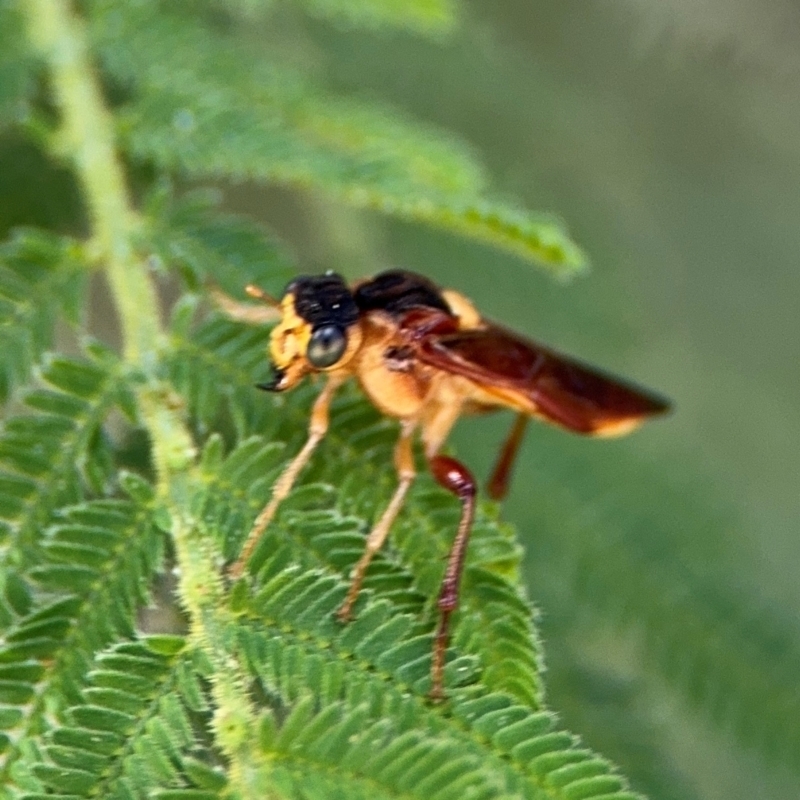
(323, 300)
(397, 291)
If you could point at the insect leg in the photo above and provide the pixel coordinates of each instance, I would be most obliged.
(501, 474)
(316, 432)
(404, 463)
(455, 477)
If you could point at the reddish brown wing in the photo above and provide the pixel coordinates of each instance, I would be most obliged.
(559, 389)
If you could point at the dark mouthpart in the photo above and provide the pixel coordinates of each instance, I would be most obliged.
(274, 383)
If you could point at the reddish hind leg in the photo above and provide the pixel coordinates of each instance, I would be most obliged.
(456, 478)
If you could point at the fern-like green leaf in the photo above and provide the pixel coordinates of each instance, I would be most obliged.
(377, 667)
(39, 284)
(193, 235)
(56, 453)
(265, 122)
(214, 366)
(341, 752)
(132, 734)
(94, 572)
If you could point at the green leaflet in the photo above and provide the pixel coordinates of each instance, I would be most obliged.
(234, 358)
(495, 620)
(346, 707)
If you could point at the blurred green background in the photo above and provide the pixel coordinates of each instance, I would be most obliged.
(667, 135)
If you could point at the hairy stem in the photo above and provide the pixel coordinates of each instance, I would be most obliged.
(86, 138)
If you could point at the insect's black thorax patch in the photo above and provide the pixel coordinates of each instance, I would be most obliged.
(323, 300)
(397, 291)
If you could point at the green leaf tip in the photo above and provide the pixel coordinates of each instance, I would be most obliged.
(163, 644)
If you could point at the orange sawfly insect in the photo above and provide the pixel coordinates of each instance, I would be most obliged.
(425, 357)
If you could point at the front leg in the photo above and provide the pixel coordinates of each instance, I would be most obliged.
(316, 432)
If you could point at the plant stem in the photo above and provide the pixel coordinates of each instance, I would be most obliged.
(86, 137)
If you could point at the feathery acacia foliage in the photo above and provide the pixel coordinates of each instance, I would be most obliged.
(220, 112)
(39, 281)
(265, 695)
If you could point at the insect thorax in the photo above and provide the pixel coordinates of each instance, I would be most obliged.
(397, 291)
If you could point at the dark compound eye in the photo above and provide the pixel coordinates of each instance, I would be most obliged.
(326, 347)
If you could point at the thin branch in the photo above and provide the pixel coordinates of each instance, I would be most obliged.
(87, 138)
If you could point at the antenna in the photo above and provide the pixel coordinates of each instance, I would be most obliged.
(260, 294)
(245, 312)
